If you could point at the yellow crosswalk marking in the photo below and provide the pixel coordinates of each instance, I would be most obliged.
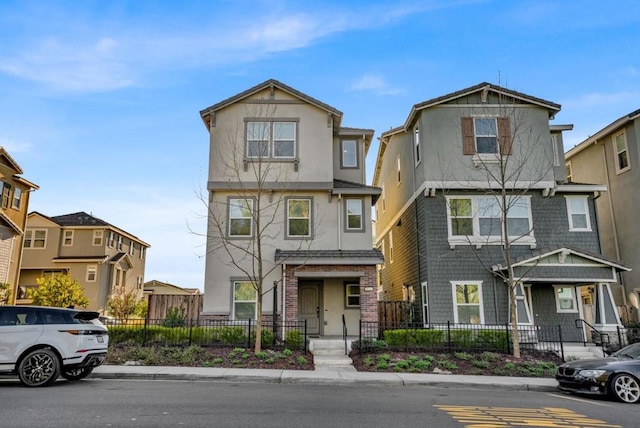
(507, 417)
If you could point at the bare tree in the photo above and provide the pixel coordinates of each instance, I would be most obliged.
(511, 158)
(246, 215)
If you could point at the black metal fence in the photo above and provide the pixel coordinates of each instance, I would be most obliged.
(207, 333)
(450, 337)
(626, 336)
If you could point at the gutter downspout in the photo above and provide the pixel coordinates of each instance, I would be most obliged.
(284, 300)
(339, 230)
(613, 220)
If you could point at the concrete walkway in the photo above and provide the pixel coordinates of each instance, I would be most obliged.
(324, 376)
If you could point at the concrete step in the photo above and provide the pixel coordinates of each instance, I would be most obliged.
(582, 352)
(331, 360)
(330, 353)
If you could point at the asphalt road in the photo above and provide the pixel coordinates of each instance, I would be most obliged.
(130, 403)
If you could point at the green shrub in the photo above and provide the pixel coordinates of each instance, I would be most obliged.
(489, 356)
(481, 364)
(294, 339)
(426, 338)
(287, 352)
(465, 356)
(233, 335)
(422, 365)
(462, 338)
(493, 339)
(302, 360)
(175, 317)
(448, 365)
(429, 338)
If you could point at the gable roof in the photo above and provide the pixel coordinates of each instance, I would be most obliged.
(564, 251)
(610, 128)
(82, 219)
(350, 188)
(8, 161)
(5, 219)
(271, 83)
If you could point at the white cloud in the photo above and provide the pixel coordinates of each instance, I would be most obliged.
(374, 83)
(596, 99)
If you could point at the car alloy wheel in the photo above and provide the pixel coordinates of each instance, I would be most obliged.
(626, 388)
(39, 368)
(76, 374)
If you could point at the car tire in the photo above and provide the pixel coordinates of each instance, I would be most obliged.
(76, 374)
(625, 388)
(40, 367)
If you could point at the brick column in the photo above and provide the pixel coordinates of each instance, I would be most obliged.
(369, 299)
(291, 295)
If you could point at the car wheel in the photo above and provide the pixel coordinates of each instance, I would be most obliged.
(76, 374)
(39, 368)
(626, 388)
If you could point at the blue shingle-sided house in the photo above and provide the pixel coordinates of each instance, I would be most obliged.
(475, 196)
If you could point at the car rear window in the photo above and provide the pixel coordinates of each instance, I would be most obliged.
(56, 317)
(85, 317)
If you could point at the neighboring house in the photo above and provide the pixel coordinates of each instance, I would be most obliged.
(14, 207)
(103, 258)
(439, 216)
(158, 287)
(611, 157)
(290, 148)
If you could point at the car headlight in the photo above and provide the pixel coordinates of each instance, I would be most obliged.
(591, 373)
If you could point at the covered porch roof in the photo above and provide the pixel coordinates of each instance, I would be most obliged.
(329, 257)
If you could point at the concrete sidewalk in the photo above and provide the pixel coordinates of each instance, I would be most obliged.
(323, 376)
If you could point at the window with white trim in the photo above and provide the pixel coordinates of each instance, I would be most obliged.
(578, 212)
(352, 294)
(143, 250)
(569, 171)
(119, 242)
(486, 133)
(67, 240)
(17, 198)
(6, 194)
(271, 139)
(478, 219)
(132, 248)
(556, 150)
(622, 152)
(349, 154)
(245, 299)
(467, 302)
(35, 238)
(398, 170)
(566, 299)
(240, 218)
(112, 238)
(425, 302)
(391, 246)
(139, 283)
(92, 273)
(298, 217)
(354, 214)
(416, 144)
(97, 237)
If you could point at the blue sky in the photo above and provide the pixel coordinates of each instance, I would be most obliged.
(100, 100)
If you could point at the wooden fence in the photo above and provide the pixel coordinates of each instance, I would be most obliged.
(392, 312)
(159, 304)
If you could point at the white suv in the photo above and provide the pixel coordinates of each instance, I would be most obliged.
(40, 343)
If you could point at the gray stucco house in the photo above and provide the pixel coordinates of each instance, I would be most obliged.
(439, 217)
(611, 157)
(288, 204)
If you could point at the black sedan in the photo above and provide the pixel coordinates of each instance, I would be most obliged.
(617, 375)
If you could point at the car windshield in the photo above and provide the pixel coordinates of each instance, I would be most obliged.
(631, 351)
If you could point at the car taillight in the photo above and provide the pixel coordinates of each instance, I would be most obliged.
(85, 332)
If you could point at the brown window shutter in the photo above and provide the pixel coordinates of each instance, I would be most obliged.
(504, 135)
(468, 137)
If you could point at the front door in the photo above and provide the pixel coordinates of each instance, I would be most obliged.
(309, 305)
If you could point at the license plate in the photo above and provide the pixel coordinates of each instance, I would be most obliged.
(100, 339)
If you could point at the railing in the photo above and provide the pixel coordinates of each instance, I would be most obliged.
(628, 335)
(208, 333)
(344, 334)
(451, 337)
(603, 338)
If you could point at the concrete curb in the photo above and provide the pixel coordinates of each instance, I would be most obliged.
(319, 377)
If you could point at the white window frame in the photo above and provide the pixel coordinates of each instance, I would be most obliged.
(383, 201)
(139, 283)
(616, 152)
(416, 144)
(570, 213)
(67, 237)
(574, 299)
(30, 238)
(477, 135)
(120, 242)
(92, 273)
(98, 235)
(234, 301)
(569, 171)
(360, 204)
(142, 251)
(132, 247)
(480, 304)
(478, 239)
(391, 246)
(425, 302)
(343, 152)
(16, 201)
(270, 140)
(239, 202)
(309, 218)
(348, 294)
(112, 238)
(556, 150)
(398, 170)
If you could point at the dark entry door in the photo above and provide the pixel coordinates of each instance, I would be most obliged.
(309, 305)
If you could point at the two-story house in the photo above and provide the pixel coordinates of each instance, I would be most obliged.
(458, 166)
(611, 157)
(13, 218)
(288, 204)
(103, 258)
